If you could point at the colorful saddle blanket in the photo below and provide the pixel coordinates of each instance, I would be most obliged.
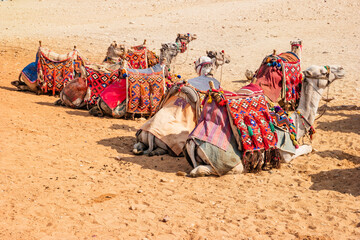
(280, 75)
(144, 92)
(283, 122)
(114, 94)
(53, 75)
(30, 72)
(254, 130)
(213, 126)
(98, 81)
(137, 59)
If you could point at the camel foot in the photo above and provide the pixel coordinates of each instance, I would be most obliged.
(58, 103)
(139, 148)
(202, 170)
(157, 152)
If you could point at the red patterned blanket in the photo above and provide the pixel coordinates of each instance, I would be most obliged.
(254, 131)
(144, 92)
(281, 72)
(137, 59)
(53, 75)
(98, 81)
(114, 94)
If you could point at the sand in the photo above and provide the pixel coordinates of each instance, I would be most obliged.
(67, 175)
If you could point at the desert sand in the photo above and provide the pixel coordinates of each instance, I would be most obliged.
(67, 175)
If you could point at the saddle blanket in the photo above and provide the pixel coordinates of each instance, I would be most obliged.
(144, 92)
(53, 75)
(137, 59)
(213, 126)
(98, 81)
(114, 94)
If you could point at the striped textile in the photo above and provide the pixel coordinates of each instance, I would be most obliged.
(214, 126)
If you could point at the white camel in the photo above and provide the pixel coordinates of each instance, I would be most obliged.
(317, 78)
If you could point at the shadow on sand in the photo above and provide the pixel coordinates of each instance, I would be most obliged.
(164, 163)
(340, 180)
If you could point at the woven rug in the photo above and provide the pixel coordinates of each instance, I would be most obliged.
(52, 75)
(213, 126)
(293, 79)
(144, 92)
(280, 77)
(30, 72)
(98, 81)
(253, 130)
(282, 121)
(137, 59)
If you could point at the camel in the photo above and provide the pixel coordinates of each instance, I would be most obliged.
(70, 97)
(116, 53)
(33, 79)
(171, 139)
(317, 78)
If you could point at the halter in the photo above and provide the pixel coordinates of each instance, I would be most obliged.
(202, 65)
(297, 45)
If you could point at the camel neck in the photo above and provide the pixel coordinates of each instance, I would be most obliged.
(308, 106)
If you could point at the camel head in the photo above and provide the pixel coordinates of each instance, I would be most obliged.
(187, 37)
(168, 51)
(204, 66)
(324, 74)
(296, 47)
(115, 52)
(218, 58)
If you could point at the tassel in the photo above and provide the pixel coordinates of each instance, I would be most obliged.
(250, 131)
(209, 99)
(272, 127)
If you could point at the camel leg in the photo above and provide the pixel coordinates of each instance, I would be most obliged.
(151, 139)
(238, 169)
(302, 150)
(190, 148)
(202, 170)
(158, 151)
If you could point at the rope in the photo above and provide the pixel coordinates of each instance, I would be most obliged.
(326, 105)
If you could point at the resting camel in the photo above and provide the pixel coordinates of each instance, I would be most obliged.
(173, 123)
(75, 92)
(317, 78)
(116, 53)
(32, 79)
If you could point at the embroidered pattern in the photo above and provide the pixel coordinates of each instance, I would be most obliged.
(144, 92)
(251, 117)
(137, 59)
(98, 81)
(54, 75)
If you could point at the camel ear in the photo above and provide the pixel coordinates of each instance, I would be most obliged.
(307, 73)
(207, 52)
(291, 42)
(300, 42)
(178, 35)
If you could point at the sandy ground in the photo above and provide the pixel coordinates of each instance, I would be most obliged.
(59, 176)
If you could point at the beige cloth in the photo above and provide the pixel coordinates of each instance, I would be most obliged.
(173, 123)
